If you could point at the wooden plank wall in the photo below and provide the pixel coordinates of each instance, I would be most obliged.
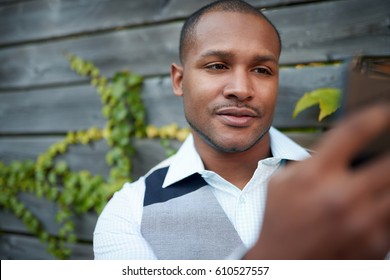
(41, 99)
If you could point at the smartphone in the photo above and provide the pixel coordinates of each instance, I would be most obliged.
(368, 82)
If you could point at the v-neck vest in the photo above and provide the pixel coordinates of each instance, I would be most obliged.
(185, 220)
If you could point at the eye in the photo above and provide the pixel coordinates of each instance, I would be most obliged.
(216, 66)
(263, 71)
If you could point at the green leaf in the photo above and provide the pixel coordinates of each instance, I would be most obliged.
(52, 177)
(61, 167)
(120, 112)
(328, 99)
(106, 111)
(134, 79)
(118, 88)
(52, 194)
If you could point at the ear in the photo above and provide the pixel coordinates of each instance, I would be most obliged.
(177, 79)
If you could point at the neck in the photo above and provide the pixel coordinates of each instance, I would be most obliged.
(237, 168)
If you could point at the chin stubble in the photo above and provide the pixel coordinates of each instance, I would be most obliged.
(220, 148)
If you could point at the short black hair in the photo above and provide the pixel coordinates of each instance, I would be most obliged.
(187, 35)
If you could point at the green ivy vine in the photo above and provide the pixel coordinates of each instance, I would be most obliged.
(75, 193)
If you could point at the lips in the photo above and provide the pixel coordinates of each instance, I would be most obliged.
(236, 116)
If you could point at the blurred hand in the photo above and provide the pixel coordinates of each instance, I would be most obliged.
(321, 208)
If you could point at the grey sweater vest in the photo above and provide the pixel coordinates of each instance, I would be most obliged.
(185, 220)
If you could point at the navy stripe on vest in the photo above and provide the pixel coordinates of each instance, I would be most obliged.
(154, 193)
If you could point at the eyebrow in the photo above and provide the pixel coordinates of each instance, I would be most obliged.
(217, 53)
(226, 55)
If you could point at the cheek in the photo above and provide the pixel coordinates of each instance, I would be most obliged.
(268, 94)
(199, 93)
(193, 100)
(273, 98)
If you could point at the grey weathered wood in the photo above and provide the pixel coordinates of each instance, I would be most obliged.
(307, 140)
(45, 19)
(312, 32)
(45, 211)
(80, 157)
(325, 23)
(134, 49)
(19, 247)
(13, 2)
(54, 110)
(78, 107)
(25, 148)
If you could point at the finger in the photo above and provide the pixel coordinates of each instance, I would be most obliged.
(376, 243)
(372, 179)
(381, 240)
(342, 144)
(365, 232)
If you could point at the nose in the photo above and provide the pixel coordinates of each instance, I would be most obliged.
(239, 86)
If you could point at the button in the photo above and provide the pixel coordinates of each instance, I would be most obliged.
(242, 199)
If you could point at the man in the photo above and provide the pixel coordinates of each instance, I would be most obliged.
(208, 201)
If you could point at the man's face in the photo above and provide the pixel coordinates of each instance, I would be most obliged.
(229, 80)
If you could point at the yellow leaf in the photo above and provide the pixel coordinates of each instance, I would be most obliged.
(328, 99)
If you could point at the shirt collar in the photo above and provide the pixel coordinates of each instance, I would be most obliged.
(184, 163)
(187, 160)
(283, 147)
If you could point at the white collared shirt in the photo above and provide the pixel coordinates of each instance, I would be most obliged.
(118, 231)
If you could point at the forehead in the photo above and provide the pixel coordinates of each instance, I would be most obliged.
(234, 31)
